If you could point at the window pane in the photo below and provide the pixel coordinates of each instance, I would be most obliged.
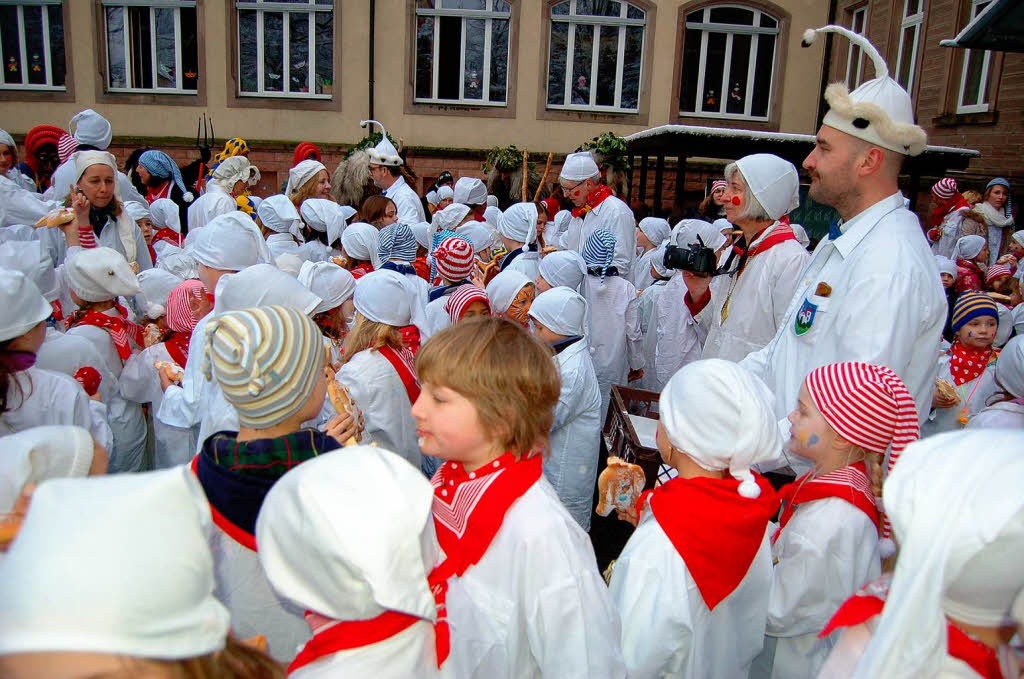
(585, 6)
(424, 57)
(273, 51)
(499, 59)
(473, 78)
(858, 21)
(463, 4)
(298, 52)
(711, 100)
(115, 47)
(691, 70)
(425, 4)
(768, 22)
(57, 58)
(324, 31)
(763, 76)
(34, 45)
(737, 97)
(449, 57)
(582, 58)
(502, 6)
(634, 12)
(631, 66)
(607, 9)
(189, 49)
(11, 45)
(912, 7)
(560, 8)
(165, 53)
(247, 73)
(906, 56)
(556, 63)
(607, 63)
(732, 15)
(139, 47)
(972, 83)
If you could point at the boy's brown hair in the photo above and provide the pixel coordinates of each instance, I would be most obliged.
(505, 372)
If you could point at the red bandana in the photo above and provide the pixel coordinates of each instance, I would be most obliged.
(966, 364)
(331, 636)
(167, 235)
(940, 212)
(121, 330)
(849, 483)
(361, 270)
(716, 531)
(594, 198)
(155, 194)
(781, 234)
(177, 346)
(402, 362)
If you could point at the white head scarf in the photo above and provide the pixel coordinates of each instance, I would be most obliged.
(91, 129)
(386, 296)
(83, 160)
(422, 232)
(126, 226)
(40, 453)
(31, 259)
(326, 216)
(701, 408)
(948, 505)
(492, 215)
(361, 241)
(562, 311)
(579, 166)
(263, 285)
(565, 268)
(968, 247)
(278, 214)
(504, 287)
(328, 281)
(230, 242)
(656, 229)
(156, 287)
(7, 140)
(657, 260)
(137, 210)
(152, 600)
(445, 192)
(235, 169)
(470, 191)
(772, 181)
(22, 306)
(946, 265)
(165, 215)
(450, 217)
(317, 558)
(476, 233)
(519, 223)
(302, 173)
(101, 274)
(1010, 367)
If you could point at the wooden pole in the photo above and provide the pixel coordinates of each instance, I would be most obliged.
(526, 175)
(544, 177)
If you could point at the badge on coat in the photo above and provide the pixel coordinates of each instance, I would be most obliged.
(805, 317)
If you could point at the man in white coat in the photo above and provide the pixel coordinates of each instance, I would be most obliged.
(386, 173)
(596, 208)
(747, 307)
(871, 290)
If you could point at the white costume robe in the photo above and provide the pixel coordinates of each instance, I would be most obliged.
(534, 605)
(667, 628)
(214, 203)
(679, 336)
(1004, 415)
(612, 215)
(615, 338)
(973, 396)
(392, 658)
(140, 383)
(108, 238)
(827, 551)
(757, 306)
(47, 397)
(527, 263)
(21, 206)
(885, 306)
(283, 243)
(647, 311)
(572, 465)
(408, 203)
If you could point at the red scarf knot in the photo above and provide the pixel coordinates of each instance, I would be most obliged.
(849, 483)
(594, 198)
(966, 364)
(122, 331)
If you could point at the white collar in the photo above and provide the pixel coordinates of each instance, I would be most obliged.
(399, 182)
(764, 234)
(857, 228)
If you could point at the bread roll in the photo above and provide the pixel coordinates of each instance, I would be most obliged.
(172, 371)
(57, 217)
(341, 400)
(946, 390)
(619, 486)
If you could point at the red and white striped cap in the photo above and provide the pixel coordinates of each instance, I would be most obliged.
(997, 271)
(66, 145)
(179, 312)
(454, 259)
(719, 184)
(945, 188)
(463, 296)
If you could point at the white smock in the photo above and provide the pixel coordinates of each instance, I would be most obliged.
(886, 306)
(679, 336)
(668, 630)
(757, 306)
(527, 263)
(973, 397)
(407, 202)
(647, 308)
(1003, 415)
(214, 203)
(21, 206)
(615, 340)
(614, 216)
(640, 275)
(283, 243)
(47, 397)
(534, 605)
(140, 383)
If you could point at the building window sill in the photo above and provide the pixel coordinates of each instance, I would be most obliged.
(955, 119)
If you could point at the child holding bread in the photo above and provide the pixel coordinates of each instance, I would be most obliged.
(524, 598)
(692, 584)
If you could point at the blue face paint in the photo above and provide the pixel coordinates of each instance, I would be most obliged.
(813, 441)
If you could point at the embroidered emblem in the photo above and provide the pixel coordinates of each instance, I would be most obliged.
(805, 317)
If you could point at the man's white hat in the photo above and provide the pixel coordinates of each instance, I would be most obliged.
(384, 153)
(879, 111)
(470, 191)
(579, 166)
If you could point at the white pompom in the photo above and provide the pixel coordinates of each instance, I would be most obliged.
(810, 35)
(188, 197)
(749, 488)
(886, 547)
(155, 310)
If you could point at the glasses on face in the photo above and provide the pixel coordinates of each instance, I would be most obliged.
(570, 189)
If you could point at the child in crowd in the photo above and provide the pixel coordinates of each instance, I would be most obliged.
(948, 272)
(617, 345)
(511, 293)
(164, 215)
(371, 611)
(524, 598)
(268, 363)
(139, 212)
(454, 262)
(1005, 408)
(335, 312)
(360, 243)
(468, 301)
(325, 221)
(692, 583)
(564, 268)
(518, 228)
(971, 256)
(999, 279)
(651, 233)
(827, 544)
(560, 320)
(281, 225)
(968, 366)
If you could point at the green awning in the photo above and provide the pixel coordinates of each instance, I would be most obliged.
(999, 27)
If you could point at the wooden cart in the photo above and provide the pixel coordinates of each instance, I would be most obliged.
(620, 436)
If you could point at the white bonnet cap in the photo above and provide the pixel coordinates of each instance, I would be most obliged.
(449, 217)
(230, 242)
(263, 285)
(91, 129)
(178, 263)
(562, 311)
(723, 417)
(492, 216)
(140, 542)
(23, 306)
(234, 169)
(563, 268)
(156, 287)
(302, 173)
(40, 453)
(519, 223)
(445, 192)
(101, 274)
(278, 214)
(83, 160)
(656, 229)
(685, 233)
(422, 232)
(385, 296)
(504, 287)
(773, 181)
(968, 247)
(316, 556)
(946, 265)
(289, 262)
(361, 241)
(326, 216)
(657, 260)
(481, 236)
(579, 166)
(328, 281)
(952, 497)
(164, 213)
(470, 191)
(136, 210)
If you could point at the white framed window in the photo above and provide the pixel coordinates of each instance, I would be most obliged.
(462, 52)
(910, 38)
(32, 44)
(152, 47)
(854, 54)
(973, 96)
(595, 56)
(728, 63)
(285, 48)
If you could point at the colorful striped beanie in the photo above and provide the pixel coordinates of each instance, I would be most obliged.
(997, 271)
(463, 296)
(970, 305)
(454, 259)
(945, 188)
(397, 241)
(179, 312)
(719, 184)
(267, 361)
(66, 145)
(599, 250)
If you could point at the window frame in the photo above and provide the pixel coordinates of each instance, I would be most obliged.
(28, 88)
(853, 78)
(987, 67)
(783, 19)
(916, 21)
(152, 5)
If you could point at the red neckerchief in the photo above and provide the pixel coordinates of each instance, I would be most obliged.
(155, 194)
(361, 270)
(58, 310)
(239, 535)
(940, 212)
(422, 268)
(177, 346)
(152, 253)
(869, 602)
(402, 362)
(122, 331)
(780, 234)
(714, 529)
(167, 235)
(594, 198)
(849, 483)
(331, 636)
(967, 364)
(410, 338)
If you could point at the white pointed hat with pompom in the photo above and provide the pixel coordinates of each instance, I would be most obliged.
(384, 153)
(879, 111)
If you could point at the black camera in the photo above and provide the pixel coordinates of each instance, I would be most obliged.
(697, 258)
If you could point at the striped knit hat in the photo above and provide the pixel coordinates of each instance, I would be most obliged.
(719, 184)
(970, 305)
(599, 250)
(267, 361)
(870, 406)
(397, 241)
(66, 145)
(463, 296)
(179, 313)
(997, 271)
(945, 188)
(454, 259)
